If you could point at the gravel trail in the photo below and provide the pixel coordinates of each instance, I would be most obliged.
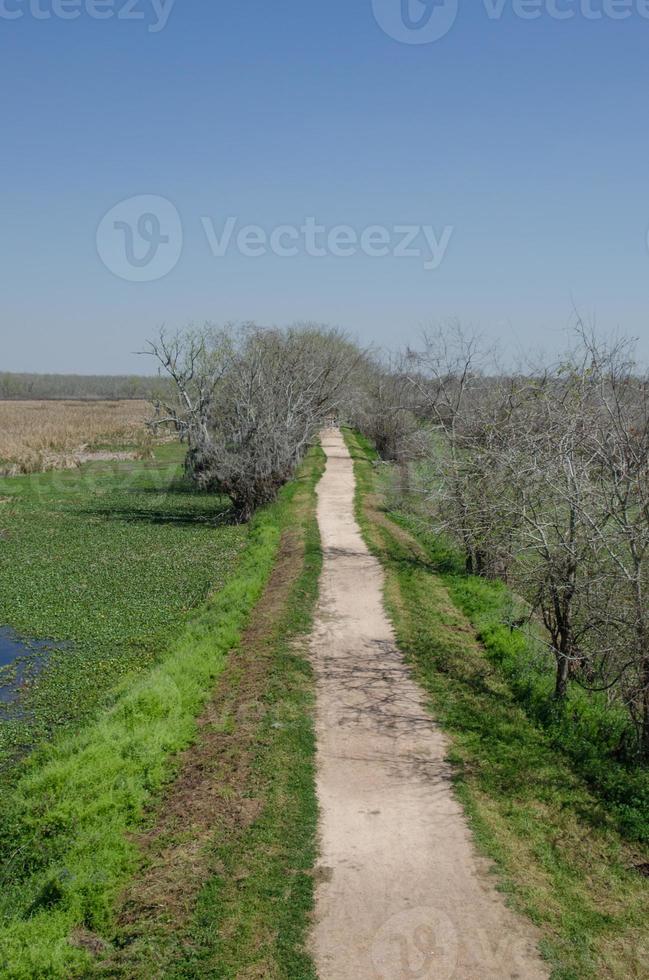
(401, 892)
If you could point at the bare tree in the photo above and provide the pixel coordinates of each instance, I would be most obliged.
(555, 508)
(383, 407)
(465, 416)
(620, 446)
(196, 362)
(250, 401)
(541, 476)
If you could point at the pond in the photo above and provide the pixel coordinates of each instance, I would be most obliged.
(21, 658)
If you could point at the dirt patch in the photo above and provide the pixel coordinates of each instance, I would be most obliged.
(214, 790)
(84, 939)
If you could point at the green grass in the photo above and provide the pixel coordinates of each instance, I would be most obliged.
(64, 832)
(252, 916)
(260, 921)
(557, 847)
(595, 732)
(585, 728)
(109, 558)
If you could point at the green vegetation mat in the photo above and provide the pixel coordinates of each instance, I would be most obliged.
(109, 558)
(557, 847)
(67, 853)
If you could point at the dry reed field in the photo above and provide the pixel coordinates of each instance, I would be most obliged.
(43, 435)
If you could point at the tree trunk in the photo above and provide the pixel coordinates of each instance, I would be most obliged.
(644, 734)
(562, 678)
(564, 650)
(480, 563)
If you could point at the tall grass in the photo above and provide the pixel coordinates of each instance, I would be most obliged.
(44, 435)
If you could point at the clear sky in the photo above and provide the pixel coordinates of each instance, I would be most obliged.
(520, 145)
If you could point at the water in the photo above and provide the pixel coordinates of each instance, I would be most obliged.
(20, 658)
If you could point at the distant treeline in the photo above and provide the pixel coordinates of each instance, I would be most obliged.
(78, 386)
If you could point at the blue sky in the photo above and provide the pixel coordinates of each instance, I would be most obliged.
(526, 139)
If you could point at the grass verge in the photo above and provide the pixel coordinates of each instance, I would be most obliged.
(68, 854)
(586, 728)
(557, 849)
(225, 887)
(260, 899)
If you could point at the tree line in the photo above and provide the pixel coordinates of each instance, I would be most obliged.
(82, 387)
(540, 477)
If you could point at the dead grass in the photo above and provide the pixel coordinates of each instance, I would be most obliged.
(45, 435)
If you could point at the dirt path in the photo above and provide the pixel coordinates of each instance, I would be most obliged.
(401, 893)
